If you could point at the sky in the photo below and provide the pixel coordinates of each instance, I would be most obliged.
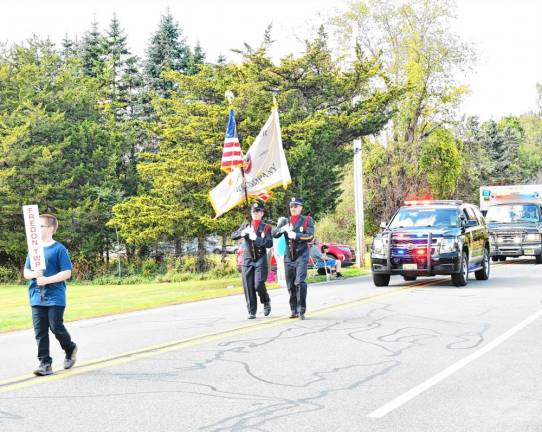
(507, 35)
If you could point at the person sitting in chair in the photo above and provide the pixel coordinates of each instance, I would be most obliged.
(321, 260)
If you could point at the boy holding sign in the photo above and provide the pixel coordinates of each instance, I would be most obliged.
(48, 266)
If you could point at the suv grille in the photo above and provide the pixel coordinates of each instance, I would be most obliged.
(510, 238)
(408, 245)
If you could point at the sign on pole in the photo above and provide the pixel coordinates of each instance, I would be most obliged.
(33, 237)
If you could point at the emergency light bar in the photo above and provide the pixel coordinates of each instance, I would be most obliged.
(431, 202)
(491, 195)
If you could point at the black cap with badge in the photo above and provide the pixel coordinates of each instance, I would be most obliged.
(296, 201)
(256, 207)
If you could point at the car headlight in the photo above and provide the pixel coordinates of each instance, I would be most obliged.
(448, 245)
(378, 246)
(533, 237)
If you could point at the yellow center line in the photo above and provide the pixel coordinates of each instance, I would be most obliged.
(123, 358)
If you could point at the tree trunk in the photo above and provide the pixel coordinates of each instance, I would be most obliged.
(178, 246)
(200, 263)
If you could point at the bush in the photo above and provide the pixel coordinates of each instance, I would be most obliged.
(9, 274)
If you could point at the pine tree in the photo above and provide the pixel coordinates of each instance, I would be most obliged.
(69, 47)
(123, 78)
(197, 58)
(92, 51)
(167, 51)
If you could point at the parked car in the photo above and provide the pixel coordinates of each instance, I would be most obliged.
(229, 249)
(336, 251)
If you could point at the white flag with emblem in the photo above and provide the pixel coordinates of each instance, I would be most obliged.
(264, 165)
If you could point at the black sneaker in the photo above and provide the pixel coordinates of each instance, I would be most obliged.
(69, 361)
(294, 315)
(267, 308)
(44, 369)
(302, 316)
(252, 316)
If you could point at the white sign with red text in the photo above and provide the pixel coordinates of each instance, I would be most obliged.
(33, 237)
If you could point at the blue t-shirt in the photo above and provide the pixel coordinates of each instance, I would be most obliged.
(57, 259)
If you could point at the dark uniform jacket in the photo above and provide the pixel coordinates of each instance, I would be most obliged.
(253, 250)
(304, 234)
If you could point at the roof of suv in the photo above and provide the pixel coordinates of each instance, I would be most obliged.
(433, 202)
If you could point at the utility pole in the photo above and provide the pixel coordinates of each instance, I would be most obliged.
(358, 199)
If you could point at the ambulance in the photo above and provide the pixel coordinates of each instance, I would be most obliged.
(514, 217)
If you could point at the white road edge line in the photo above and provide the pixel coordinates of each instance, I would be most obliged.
(411, 394)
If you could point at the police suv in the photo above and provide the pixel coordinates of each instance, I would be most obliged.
(514, 217)
(427, 238)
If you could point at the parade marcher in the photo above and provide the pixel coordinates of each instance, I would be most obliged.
(48, 312)
(258, 238)
(298, 232)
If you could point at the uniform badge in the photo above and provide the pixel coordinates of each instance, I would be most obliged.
(301, 229)
(263, 234)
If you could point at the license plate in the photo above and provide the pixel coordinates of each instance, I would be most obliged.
(528, 251)
(410, 266)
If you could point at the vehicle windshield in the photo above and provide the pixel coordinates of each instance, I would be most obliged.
(513, 213)
(425, 217)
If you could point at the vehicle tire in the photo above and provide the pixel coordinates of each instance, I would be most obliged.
(409, 278)
(381, 279)
(483, 273)
(461, 278)
(502, 258)
(538, 259)
(494, 258)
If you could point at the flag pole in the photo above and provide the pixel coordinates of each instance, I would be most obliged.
(229, 97)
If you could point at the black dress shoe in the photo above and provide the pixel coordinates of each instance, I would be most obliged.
(302, 316)
(294, 316)
(251, 316)
(267, 308)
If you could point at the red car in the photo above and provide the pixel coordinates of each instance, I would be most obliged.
(336, 251)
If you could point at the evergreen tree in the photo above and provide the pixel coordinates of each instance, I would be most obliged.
(55, 151)
(70, 47)
(122, 76)
(502, 143)
(92, 51)
(197, 58)
(167, 51)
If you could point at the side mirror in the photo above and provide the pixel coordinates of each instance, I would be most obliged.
(383, 225)
(471, 223)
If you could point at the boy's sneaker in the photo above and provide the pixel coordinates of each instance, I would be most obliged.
(69, 361)
(44, 369)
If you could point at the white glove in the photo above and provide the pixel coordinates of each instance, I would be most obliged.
(291, 234)
(285, 228)
(252, 235)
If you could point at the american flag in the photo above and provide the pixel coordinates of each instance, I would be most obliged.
(231, 155)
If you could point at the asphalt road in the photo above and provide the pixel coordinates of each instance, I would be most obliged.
(421, 356)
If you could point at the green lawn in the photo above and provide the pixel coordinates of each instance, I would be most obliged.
(86, 301)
